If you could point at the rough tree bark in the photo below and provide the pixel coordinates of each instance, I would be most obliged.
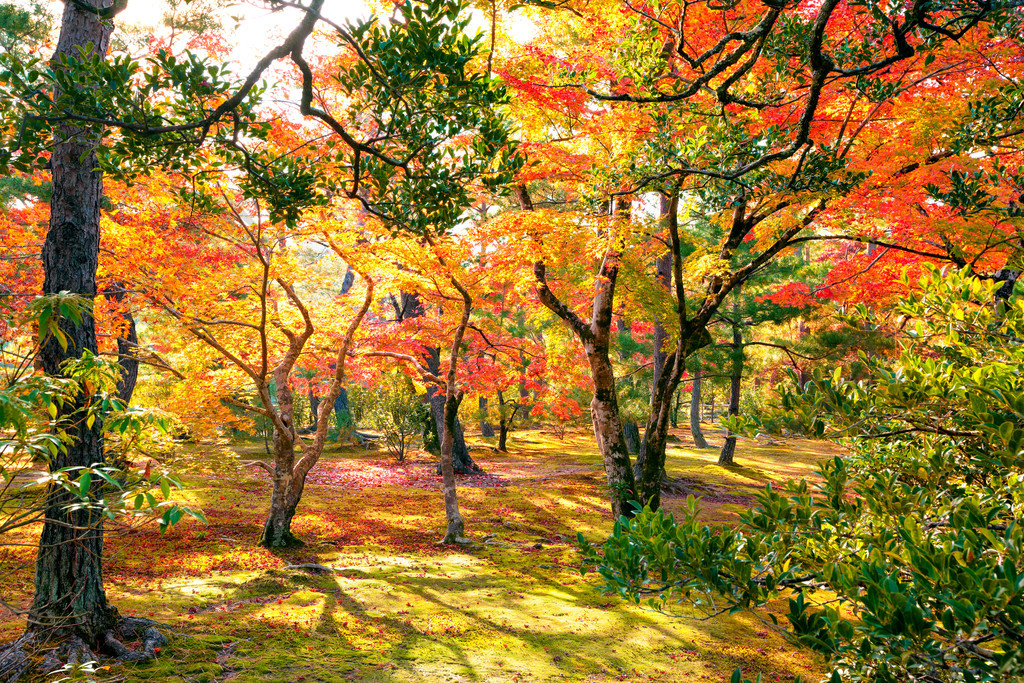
(728, 453)
(69, 599)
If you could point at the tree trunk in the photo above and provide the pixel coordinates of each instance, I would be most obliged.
(595, 337)
(502, 425)
(314, 407)
(663, 270)
(611, 440)
(728, 453)
(462, 461)
(455, 533)
(631, 431)
(695, 412)
(69, 599)
(284, 499)
(691, 337)
(342, 415)
(127, 344)
(486, 428)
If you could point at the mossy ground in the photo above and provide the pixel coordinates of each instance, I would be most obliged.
(399, 607)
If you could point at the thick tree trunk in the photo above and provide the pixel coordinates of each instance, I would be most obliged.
(486, 428)
(69, 599)
(695, 409)
(728, 453)
(284, 499)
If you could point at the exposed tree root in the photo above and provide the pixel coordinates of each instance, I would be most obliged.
(684, 486)
(28, 655)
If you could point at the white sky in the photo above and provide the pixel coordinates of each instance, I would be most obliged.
(260, 28)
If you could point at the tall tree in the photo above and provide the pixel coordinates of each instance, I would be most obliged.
(69, 598)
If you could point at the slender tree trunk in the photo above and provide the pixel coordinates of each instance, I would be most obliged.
(663, 270)
(455, 533)
(631, 430)
(463, 462)
(127, 344)
(287, 483)
(314, 407)
(695, 410)
(486, 428)
(691, 337)
(69, 599)
(288, 473)
(502, 425)
(342, 414)
(728, 453)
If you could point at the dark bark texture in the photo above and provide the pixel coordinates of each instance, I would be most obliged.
(69, 599)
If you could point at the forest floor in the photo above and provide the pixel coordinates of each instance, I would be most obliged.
(399, 607)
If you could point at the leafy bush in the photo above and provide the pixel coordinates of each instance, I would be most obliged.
(393, 409)
(905, 563)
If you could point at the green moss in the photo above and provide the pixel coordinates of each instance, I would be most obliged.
(401, 608)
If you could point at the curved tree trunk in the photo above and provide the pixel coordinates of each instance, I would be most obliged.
(595, 338)
(69, 599)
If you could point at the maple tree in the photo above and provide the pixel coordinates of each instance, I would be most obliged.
(772, 117)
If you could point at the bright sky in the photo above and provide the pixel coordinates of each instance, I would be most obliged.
(260, 28)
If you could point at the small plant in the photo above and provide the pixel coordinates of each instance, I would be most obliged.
(393, 409)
